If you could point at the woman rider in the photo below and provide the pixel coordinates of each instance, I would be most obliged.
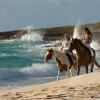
(65, 44)
(65, 49)
(87, 39)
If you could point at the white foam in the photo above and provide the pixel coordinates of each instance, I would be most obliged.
(31, 35)
(40, 70)
(56, 43)
(95, 45)
(4, 54)
(7, 40)
(76, 33)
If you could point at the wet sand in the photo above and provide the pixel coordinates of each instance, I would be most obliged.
(82, 87)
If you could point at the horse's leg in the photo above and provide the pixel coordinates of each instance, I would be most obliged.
(92, 66)
(69, 71)
(78, 70)
(58, 76)
(86, 67)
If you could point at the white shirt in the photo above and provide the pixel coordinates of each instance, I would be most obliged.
(65, 45)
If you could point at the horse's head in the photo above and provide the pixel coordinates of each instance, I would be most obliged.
(48, 55)
(75, 44)
(72, 45)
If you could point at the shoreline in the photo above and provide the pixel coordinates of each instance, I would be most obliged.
(82, 87)
(33, 83)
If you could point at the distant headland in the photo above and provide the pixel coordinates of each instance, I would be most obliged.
(50, 33)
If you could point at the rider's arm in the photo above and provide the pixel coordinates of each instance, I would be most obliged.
(62, 46)
(90, 38)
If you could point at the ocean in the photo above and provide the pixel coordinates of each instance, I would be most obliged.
(22, 61)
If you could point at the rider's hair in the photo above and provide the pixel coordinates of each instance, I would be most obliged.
(67, 36)
(87, 31)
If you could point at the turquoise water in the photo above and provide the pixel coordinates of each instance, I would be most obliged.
(19, 54)
(22, 61)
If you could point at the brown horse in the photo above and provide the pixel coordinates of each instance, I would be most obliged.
(83, 55)
(64, 62)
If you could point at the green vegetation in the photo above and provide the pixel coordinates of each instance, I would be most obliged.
(58, 32)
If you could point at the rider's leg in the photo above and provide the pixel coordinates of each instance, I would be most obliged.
(92, 54)
(91, 51)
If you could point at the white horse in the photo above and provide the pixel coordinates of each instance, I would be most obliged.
(64, 61)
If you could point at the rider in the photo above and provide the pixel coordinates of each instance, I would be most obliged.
(87, 39)
(65, 44)
(65, 49)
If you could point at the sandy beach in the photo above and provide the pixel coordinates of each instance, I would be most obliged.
(82, 87)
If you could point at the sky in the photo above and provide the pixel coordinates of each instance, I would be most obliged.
(18, 14)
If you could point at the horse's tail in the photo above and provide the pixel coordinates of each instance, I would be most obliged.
(95, 60)
(97, 64)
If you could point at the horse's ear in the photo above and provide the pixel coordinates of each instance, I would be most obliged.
(72, 39)
(49, 49)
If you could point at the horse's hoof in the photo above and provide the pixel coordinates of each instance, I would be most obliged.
(58, 78)
(69, 76)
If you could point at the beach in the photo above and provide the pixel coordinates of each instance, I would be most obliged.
(34, 50)
(82, 87)
(25, 76)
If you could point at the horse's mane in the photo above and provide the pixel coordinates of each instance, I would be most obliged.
(80, 42)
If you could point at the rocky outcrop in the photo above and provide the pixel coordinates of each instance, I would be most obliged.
(50, 33)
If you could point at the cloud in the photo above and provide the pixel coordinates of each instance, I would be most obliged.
(46, 13)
